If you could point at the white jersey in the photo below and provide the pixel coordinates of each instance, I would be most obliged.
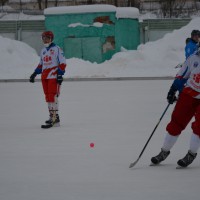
(191, 71)
(51, 60)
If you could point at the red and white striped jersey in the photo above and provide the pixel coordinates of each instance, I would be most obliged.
(191, 71)
(52, 62)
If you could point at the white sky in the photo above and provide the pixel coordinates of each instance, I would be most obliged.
(18, 60)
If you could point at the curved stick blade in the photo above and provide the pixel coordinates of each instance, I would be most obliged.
(133, 164)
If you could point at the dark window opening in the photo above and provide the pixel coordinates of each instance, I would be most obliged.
(109, 44)
(103, 20)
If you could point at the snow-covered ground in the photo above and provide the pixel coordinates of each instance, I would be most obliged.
(18, 60)
(58, 163)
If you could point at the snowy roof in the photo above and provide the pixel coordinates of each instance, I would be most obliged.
(121, 12)
(79, 9)
(127, 12)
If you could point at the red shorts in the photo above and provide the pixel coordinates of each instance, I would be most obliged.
(186, 108)
(51, 89)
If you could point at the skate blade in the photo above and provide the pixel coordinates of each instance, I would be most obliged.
(154, 164)
(46, 126)
(180, 167)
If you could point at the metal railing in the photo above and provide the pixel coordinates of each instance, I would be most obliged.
(150, 30)
(164, 24)
(154, 29)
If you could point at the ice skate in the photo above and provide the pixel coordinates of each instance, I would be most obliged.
(49, 121)
(52, 122)
(187, 160)
(160, 157)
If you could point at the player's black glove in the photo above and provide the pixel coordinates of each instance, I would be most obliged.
(171, 96)
(59, 79)
(32, 77)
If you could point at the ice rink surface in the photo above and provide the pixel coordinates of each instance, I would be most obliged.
(59, 164)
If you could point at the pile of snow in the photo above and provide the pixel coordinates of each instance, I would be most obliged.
(17, 59)
(95, 24)
(158, 58)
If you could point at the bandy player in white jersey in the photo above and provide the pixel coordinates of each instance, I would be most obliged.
(187, 82)
(51, 67)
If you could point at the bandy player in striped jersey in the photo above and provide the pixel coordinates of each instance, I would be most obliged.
(51, 67)
(187, 82)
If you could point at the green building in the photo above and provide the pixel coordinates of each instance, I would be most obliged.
(93, 32)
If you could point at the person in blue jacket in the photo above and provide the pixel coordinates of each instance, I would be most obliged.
(193, 43)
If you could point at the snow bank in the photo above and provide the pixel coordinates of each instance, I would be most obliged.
(158, 58)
